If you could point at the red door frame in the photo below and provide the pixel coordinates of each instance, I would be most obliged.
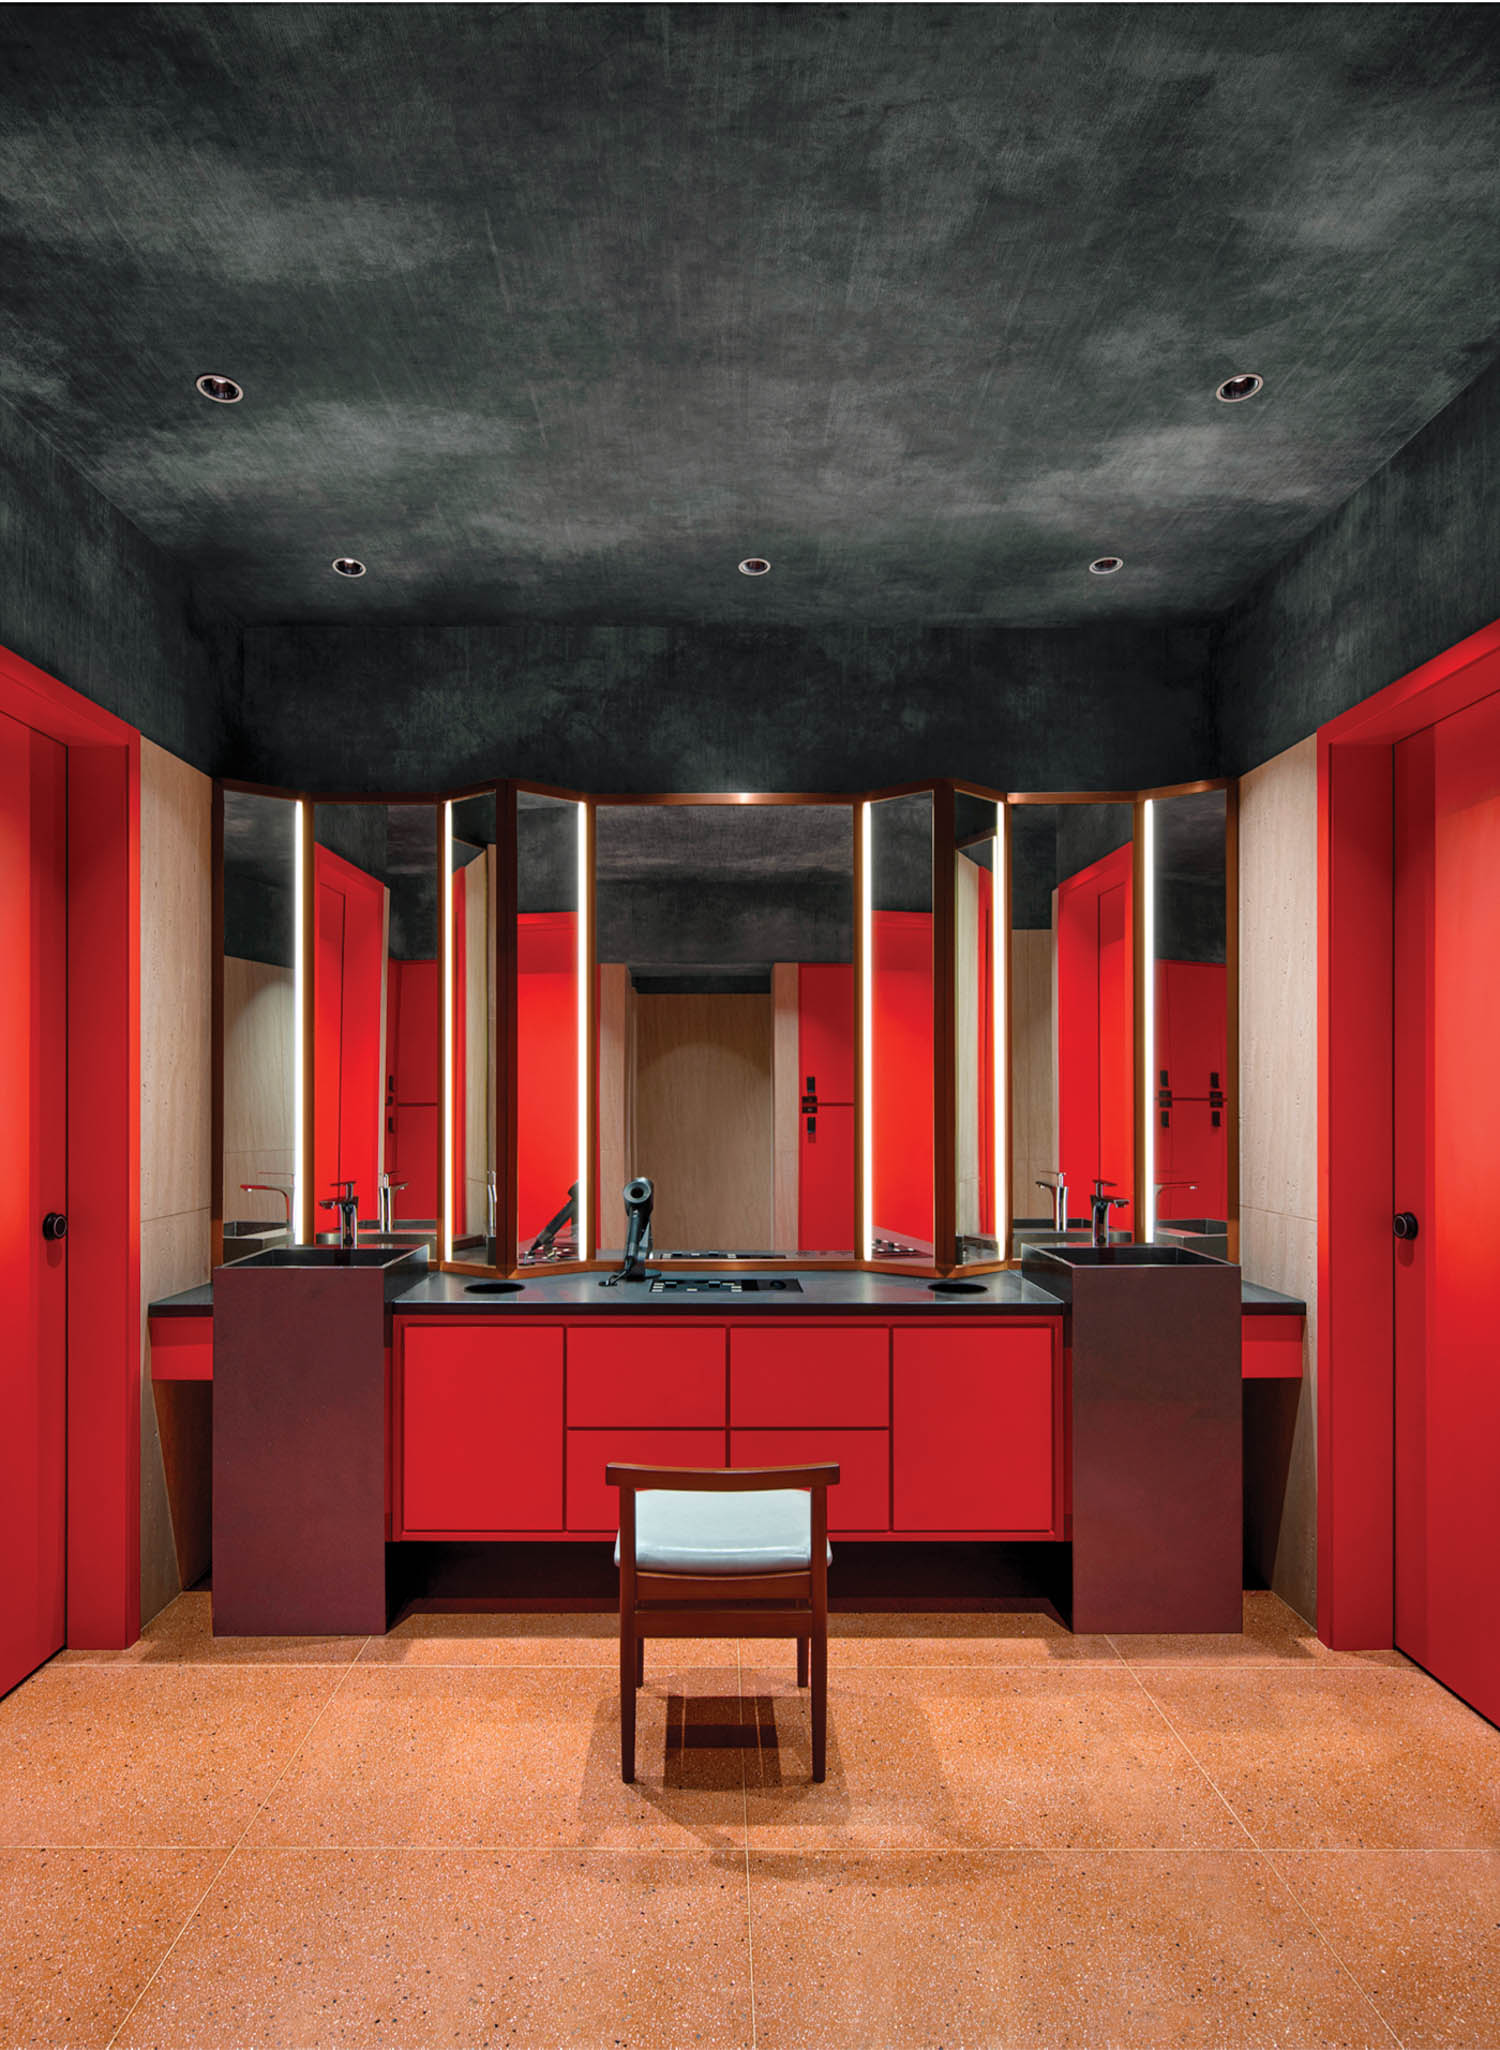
(1356, 1340)
(104, 1150)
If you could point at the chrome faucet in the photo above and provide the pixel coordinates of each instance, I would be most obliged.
(1058, 1191)
(491, 1198)
(347, 1206)
(385, 1209)
(1101, 1206)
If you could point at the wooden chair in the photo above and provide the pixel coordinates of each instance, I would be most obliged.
(723, 1552)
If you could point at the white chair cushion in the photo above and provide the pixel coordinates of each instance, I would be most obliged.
(764, 1530)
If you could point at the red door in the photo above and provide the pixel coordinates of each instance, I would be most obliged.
(33, 1148)
(1447, 1147)
(825, 1159)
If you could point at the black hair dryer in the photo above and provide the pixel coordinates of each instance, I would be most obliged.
(640, 1198)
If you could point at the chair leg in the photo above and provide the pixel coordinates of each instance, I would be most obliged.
(801, 1661)
(640, 1662)
(628, 1654)
(819, 1663)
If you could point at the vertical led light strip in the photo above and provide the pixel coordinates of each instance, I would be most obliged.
(445, 918)
(1000, 1070)
(299, 1031)
(585, 912)
(867, 1033)
(1148, 1017)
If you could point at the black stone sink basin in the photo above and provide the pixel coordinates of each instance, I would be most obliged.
(1122, 1256)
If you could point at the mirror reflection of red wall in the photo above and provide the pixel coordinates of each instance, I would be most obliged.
(547, 1066)
(1095, 1032)
(348, 1014)
(901, 1043)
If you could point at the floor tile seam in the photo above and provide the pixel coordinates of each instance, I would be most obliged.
(134, 1668)
(1289, 1669)
(487, 1849)
(1199, 1766)
(1313, 1923)
(228, 1858)
(1183, 1853)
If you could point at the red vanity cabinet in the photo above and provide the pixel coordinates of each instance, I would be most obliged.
(479, 1427)
(672, 1376)
(810, 1374)
(976, 1428)
(504, 1429)
(594, 1509)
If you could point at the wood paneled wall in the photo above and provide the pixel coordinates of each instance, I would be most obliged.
(1279, 1150)
(176, 972)
(703, 1118)
(259, 1084)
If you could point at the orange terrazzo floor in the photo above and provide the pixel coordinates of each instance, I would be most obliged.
(1024, 1839)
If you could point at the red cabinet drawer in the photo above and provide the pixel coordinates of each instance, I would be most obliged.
(1271, 1348)
(810, 1374)
(182, 1348)
(481, 1428)
(593, 1506)
(975, 1415)
(862, 1499)
(646, 1374)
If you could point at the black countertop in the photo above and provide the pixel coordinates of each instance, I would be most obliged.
(868, 1295)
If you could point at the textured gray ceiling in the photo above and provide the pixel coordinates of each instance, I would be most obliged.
(561, 310)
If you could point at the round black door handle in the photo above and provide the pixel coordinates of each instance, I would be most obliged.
(54, 1225)
(1405, 1225)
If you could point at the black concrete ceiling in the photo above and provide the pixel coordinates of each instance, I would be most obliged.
(561, 310)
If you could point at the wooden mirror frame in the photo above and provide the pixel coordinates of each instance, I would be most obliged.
(944, 792)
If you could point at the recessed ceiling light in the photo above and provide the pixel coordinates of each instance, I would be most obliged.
(1106, 565)
(348, 566)
(1245, 386)
(222, 390)
(754, 566)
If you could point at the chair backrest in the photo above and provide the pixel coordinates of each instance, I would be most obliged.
(724, 1480)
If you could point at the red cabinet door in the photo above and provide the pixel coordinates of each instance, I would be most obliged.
(646, 1374)
(810, 1374)
(481, 1428)
(593, 1506)
(973, 1427)
(862, 1499)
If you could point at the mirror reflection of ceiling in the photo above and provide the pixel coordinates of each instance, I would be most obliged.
(561, 311)
(723, 890)
(1050, 842)
(396, 843)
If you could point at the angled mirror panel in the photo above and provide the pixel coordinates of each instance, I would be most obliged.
(551, 957)
(900, 993)
(1189, 1087)
(470, 1139)
(259, 995)
(1072, 1017)
(376, 1019)
(726, 1026)
(980, 1094)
